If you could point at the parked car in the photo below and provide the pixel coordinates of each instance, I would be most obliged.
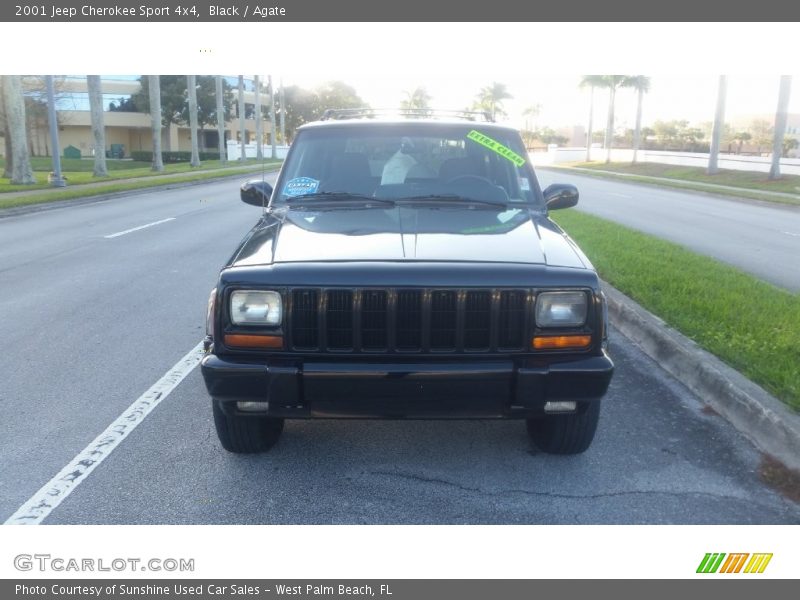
(406, 268)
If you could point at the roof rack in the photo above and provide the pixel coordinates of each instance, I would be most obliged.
(408, 113)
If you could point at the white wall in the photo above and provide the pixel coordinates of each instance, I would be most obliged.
(250, 150)
(759, 164)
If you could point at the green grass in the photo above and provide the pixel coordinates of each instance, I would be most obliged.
(79, 172)
(750, 184)
(751, 325)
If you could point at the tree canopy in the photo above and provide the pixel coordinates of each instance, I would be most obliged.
(175, 104)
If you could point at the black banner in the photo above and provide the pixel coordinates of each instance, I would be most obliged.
(393, 589)
(244, 11)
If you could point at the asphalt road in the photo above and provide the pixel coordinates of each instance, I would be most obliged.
(757, 237)
(96, 308)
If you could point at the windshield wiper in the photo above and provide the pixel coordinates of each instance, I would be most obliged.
(340, 198)
(453, 199)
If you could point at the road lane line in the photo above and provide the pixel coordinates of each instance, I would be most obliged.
(53, 493)
(618, 195)
(119, 233)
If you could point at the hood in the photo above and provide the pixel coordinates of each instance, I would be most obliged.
(405, 233)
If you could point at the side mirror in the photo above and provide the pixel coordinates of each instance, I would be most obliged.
(256, 192)
(560, 195)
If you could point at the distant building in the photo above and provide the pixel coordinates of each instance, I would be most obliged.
(132, 129)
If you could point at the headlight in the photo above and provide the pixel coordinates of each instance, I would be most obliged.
(251, 307)
(561, 309)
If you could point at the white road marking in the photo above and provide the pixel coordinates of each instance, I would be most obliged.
(119, 233)
(618, 195)
(792, 234)
(53, 493)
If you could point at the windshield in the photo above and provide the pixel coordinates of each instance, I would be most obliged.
(419, 162)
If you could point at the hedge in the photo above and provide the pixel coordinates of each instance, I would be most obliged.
(172, 157)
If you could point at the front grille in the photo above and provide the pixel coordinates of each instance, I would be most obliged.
(407, 320)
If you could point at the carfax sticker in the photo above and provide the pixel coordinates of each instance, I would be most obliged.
(300, 185)
(495, 146)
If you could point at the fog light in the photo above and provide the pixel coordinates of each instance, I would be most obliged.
(253, 406)
(561, 406)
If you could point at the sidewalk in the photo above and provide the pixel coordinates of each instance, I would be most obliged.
(677, 182)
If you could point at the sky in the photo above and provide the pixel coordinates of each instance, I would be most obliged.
(563, 103)
(540, 63)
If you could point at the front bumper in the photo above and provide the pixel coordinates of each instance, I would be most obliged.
(469, 388)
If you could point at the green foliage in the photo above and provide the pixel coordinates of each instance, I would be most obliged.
(304, 106)
(750, 324)
(490, 99)
(175, 103)
(418, 99)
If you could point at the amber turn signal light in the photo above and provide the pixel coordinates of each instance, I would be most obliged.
(561, 342)
(253, 341)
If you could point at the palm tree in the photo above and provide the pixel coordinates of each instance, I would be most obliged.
(612, 82)
(418, 99)
(14, 103)
(719, 125)
(7, 168)
(491, 97)
(154, 86)
(641, 84)
(220, 120)
(98, 126)
(780, 126)
(259, 134)
(591, 81)
(191, 84)
(241, 119)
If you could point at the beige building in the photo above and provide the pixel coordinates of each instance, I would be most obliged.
(131, 129)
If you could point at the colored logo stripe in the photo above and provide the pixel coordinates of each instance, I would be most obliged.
(758, 563)
(710, 563)
(734, 563)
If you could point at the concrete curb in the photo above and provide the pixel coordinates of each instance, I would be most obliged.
(762, 418)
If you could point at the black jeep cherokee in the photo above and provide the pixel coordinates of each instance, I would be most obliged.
(407, 268)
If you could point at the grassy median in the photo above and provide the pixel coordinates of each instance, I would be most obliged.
(751, 325)
(750, 184)
(123, 176)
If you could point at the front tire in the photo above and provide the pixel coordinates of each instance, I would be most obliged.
(246, 435)
(565, 434)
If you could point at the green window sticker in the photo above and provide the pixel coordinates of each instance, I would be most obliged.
(495, 146)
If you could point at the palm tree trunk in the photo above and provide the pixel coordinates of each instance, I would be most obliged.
(719, 123)
(220, 121)
(612, 92)
(780, 126)
(155, 121)
(6, 135)
(259, 132)
(272, 117)
(243, 156)
(98, 126)
(589, 128)
(637, 133)
(21, 173)
(191, 82)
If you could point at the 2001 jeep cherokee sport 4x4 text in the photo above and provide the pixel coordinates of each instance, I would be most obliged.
(407, 268)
